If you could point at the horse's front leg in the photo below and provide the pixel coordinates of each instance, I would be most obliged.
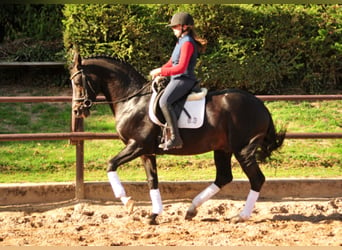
(150, 166)
(130, 152)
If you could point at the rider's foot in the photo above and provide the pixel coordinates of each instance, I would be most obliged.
(174, 143)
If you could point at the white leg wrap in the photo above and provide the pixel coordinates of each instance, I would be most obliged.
(250, 202)
(157, 206)
(125, 199)
(117, 187)
(205, 195)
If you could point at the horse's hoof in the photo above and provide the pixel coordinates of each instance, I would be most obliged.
(152, 220)
(191, 213)
(129, 206)
(238, 219)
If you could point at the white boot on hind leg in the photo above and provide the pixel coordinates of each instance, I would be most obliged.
(250, 202)
(157, 204)
(202, 197)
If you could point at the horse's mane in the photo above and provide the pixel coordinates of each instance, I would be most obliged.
(107, 57)
(118, 62)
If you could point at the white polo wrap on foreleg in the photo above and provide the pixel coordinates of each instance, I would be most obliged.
(157, 205)
(205, 195)
(250, 202)
(115, 182)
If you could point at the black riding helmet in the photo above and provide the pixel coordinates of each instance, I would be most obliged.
(182, 18)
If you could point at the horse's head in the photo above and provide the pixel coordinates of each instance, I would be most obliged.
(81, 101)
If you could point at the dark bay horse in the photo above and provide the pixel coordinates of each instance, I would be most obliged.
(235, 122)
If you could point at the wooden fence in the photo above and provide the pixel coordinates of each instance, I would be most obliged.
(77, 136)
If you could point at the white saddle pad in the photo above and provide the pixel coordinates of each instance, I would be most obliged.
(196, 109)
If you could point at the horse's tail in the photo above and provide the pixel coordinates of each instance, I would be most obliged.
(273, 140)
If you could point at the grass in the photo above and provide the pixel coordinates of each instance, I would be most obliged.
(45, 161)
(308, 116)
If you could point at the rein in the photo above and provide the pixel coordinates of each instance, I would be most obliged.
(123, 99)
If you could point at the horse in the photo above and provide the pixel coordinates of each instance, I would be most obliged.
(235, 123)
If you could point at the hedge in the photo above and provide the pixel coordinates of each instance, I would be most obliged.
(264, 48)
(261, 48)
(31, 32)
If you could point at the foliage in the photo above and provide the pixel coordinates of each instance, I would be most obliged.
(31, 32)
(262, 48)
(265, 48)
(129, 32)
(39, 22)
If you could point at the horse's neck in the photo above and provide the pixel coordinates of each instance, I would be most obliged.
(130, 113)
(122, 98)
(120, 91)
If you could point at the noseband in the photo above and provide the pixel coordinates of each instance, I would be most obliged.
(86, 102)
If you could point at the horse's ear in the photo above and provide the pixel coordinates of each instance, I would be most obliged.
(77, 60)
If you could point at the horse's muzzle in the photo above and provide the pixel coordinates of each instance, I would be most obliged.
(81, 111)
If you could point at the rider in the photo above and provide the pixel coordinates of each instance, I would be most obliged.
(180, 68)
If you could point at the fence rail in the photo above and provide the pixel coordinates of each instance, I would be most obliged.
(77, 135)
(14, 99)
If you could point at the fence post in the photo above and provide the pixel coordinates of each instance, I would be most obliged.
(77, 125)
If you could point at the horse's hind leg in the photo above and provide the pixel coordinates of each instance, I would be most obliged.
(256, 179)
(223, 177)
(150, 166)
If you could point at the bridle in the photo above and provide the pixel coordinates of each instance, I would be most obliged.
(87, 103)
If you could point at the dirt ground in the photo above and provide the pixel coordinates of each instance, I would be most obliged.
(274, 223)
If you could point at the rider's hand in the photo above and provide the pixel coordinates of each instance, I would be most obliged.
(156, 72)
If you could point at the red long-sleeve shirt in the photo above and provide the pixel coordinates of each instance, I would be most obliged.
(186, 52)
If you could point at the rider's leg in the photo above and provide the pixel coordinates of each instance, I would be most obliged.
(175, 90)
(171, 120)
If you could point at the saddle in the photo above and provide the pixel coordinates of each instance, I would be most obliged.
(189, 110)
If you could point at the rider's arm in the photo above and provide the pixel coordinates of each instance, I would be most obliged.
(168, 64)
(185, 55)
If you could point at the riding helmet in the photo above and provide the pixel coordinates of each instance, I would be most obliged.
(182, 18)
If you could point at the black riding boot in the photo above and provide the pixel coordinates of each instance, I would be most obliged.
(171, 120)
